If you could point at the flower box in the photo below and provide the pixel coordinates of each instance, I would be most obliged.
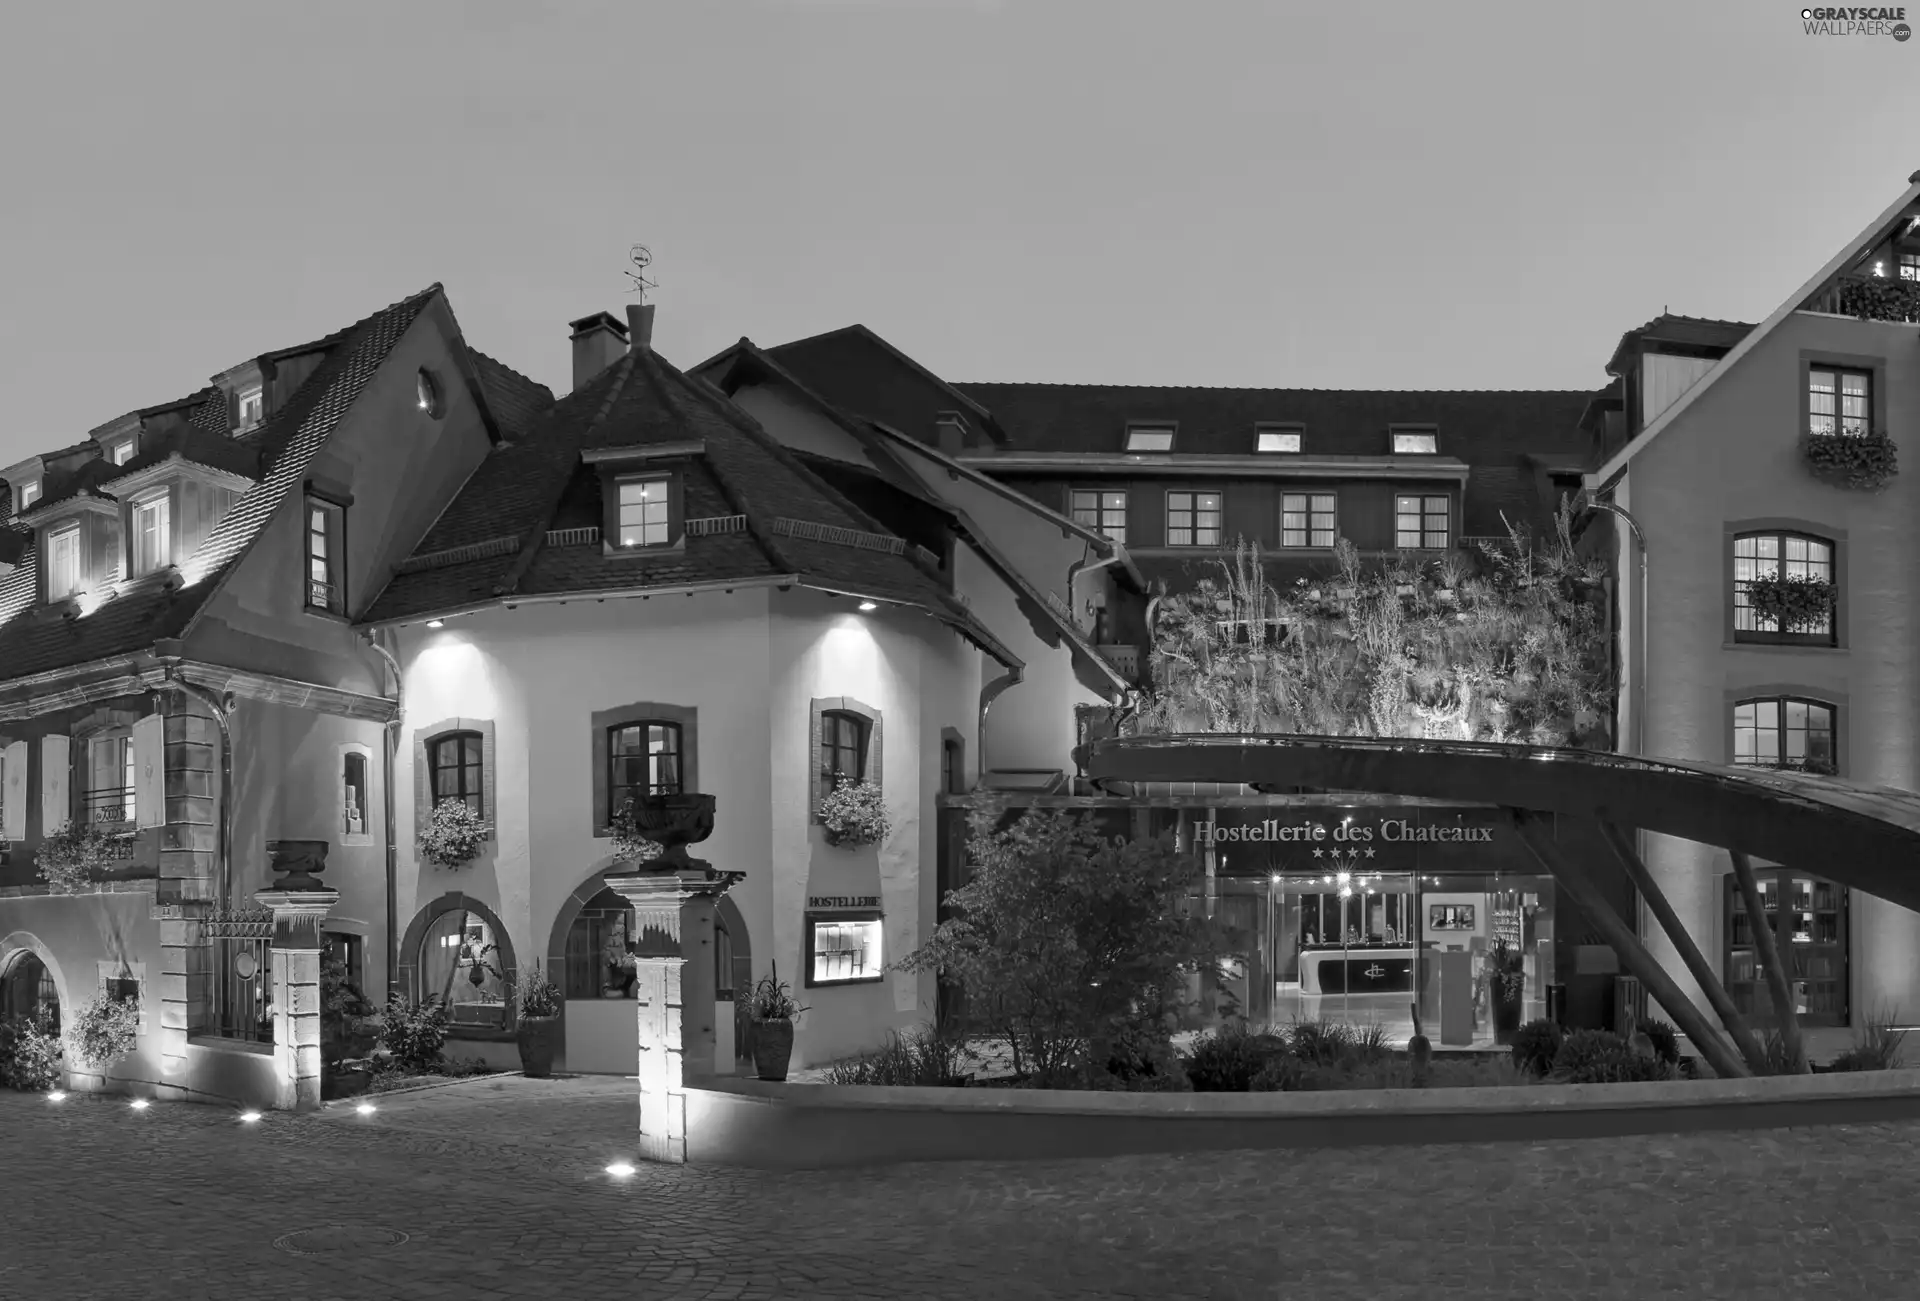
(1867, 462)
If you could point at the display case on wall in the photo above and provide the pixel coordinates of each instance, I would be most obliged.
(844, 947)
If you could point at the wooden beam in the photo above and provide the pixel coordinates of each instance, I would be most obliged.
(1703, 974)
(1725, 1062)
(1767, 947)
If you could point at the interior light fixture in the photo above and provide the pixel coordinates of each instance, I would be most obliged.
(868, 607)
(436, 623)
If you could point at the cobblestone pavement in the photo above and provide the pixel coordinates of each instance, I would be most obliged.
(500, 1189)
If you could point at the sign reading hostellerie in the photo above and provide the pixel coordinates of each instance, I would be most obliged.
(1391, 831)
(823, 903)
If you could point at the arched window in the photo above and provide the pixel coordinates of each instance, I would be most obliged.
(843, 748)
(27, 989)
(643, 758)
(461, 963)
(1785, 732)
(1771, 558)
(598, 945)
(454, 765)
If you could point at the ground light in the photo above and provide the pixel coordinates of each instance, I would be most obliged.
(249, 1117)
(620, 1170)
(57, 1096)
(138, 1104)
(365, 1108)
(435, 623)
(868, 607)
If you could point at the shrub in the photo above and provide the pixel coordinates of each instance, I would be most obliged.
(1878, 1048)
(1227, 1060)
(1602, 1057)
(1281, 1073)
(1666, 1041)
(30, 1053)
(920, 1057)
(854, 813)
(454, 835)
(1321, 1043)
(104, 1031)
(414, 1033)
(1535, 1047)
(535, 994)
(75, 856)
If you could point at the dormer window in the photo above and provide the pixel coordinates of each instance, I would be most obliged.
(1157, 437)
(1414, 440)
(121, 452)
(151, 534)
(63, 563)
(252, 406)
(29, 494)
(646, 512)
(1278, 438)
(326, 536)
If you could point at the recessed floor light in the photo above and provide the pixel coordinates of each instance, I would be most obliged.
(138, 1104)
(436, 623)
(620, 1169)
(365, 1108)
(867, 607)
(57, 1096)
(248, 1117)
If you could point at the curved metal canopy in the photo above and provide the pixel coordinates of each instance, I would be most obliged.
(1859, 836)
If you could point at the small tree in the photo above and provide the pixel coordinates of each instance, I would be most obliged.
(1069, 946)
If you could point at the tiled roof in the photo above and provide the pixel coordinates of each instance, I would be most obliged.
(858, 371)
(516, 401)
(286, 444)
(540, 484)
(1683, 331)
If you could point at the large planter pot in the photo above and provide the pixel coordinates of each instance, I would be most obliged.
(1506, 1020)
(772, 1048)
(537, 1038)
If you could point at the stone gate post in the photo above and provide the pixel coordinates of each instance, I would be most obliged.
(300, 903)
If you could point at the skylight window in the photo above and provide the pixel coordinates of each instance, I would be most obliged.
(1278, 438)
(1414, 440)
(1150, 438)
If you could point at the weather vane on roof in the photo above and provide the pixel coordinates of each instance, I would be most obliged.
(641, 259)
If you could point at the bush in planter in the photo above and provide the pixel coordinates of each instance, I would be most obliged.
(75, 856)
(771, 1008)
(30, 1053)
(1535, 1046)
(1666, 1041)
(854, 813)
(454, 835)
(1602, 1057)
(1864, 461)
(1227, 1060)
(921, 1057)
(415, 1034)
(1878, 1048)
(105, 1030)
(537, 1034)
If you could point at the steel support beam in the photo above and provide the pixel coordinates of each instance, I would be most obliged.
(1697, 966)
(1767, 947)
(1641, 963)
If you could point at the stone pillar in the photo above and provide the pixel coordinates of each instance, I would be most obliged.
(188, 880)
(676, 994)
(300, 903)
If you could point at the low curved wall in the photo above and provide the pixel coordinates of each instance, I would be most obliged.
(811, 1126)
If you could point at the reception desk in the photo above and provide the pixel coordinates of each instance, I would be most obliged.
(1358, 969)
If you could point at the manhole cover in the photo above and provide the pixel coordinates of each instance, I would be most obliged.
(338, 1239)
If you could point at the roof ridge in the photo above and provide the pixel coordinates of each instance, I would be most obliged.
(490, 359)
(1223, 388)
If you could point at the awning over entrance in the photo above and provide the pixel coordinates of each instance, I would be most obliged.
(1864, 837)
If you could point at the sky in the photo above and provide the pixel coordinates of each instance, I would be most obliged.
(1335, 195)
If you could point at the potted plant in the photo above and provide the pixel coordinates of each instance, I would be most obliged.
(454, 835)
(538, 1033)
(75, 856)
(1506, 979)
(854, 814)
(771, 1009)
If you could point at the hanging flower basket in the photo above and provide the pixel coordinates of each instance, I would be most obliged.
(454, 835)
(854, 814)
(1866, 462)
(1792, 604)
(75, 856)
(104, 1031)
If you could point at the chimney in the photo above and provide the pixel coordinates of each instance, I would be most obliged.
(598, 341)
(950, 432)
(640, 324)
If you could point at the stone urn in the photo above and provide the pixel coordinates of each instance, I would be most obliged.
(673, 822)
(299, 863)
(537, 1037)
(772, 1048)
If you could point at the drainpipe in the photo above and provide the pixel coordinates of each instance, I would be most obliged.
(1640, 680)
(219, 708)
(390, 743)
(988, 694)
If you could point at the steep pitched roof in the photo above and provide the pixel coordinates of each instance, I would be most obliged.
(516, 401)
(796, 525)
(128, 624)
(1854, 249)
(839, 365)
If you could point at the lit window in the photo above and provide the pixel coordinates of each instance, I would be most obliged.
(1307, 519)
(642, 759)
(1910, 266)
(1790, 556)
(252, 407)
(325, 522)
(643, 513)
(463, 968)
(353, 788)
(1784, 732)
(843, 748)
(1149, 438)
(1421, 523)
(1277, 438)
(110, 778)
(1104, 512)
(63, 564)
(122, 452)
(1839, 401)
(454, 766)
(152, 534)
(1193, 519)
(844, 950)
(1416, 441)
(29, 494)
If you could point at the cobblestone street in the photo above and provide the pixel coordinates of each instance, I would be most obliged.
(496, 1189)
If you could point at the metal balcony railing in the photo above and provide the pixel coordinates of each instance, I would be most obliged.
(108, 806)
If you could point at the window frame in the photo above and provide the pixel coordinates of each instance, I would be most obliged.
(601, 725)
(1150, 429)
(1781, 534)
(121, 452)
(873, 769)
(1426, 514)
(475, 799)
(1783, 698)
(54, 537)
(1279, 430)
(1099, 510)
(1194, 513)
(1309, 500)
(830, 774)
(669, 525)
(953, 762)
(1733, 907)
(125, 767)
(429, 394)
(26, 494)
(251, 395)
(1841, 371)
(348, 753)
(332, 560)
(840, 917)
(1431, 433)
(669, 727)
(158, 501)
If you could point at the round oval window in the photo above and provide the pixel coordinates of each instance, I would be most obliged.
(428, 389)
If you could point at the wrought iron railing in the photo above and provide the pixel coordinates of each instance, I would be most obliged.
(114, 804)
(242, 976)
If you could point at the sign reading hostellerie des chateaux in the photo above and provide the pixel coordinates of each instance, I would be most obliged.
(1386, 830)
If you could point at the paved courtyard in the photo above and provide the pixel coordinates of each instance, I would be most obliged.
(496, 1189)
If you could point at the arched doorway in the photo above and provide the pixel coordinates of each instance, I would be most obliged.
(27, 989)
